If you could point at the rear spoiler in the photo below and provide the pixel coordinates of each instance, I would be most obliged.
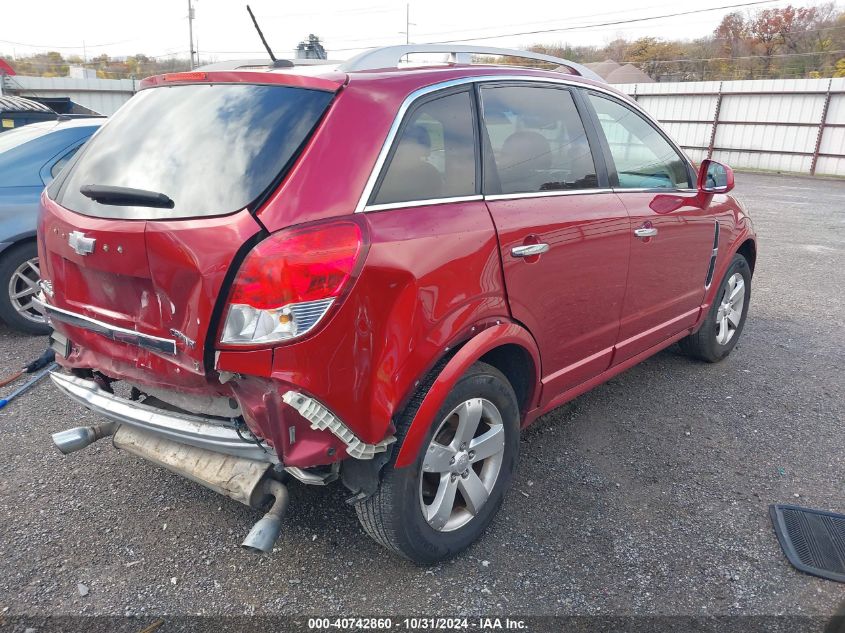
(330, 82)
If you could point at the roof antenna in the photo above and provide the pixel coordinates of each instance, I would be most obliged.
(277, 63)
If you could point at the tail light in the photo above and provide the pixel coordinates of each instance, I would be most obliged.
(288, 283)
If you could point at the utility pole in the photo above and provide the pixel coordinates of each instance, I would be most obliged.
(191, 33)
(408, 24)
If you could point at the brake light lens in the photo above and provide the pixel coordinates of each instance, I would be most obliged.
(288, 283)
(190, 76)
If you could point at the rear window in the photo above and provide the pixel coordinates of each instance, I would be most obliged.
(212, 149)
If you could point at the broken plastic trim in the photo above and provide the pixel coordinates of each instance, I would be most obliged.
(323, 419)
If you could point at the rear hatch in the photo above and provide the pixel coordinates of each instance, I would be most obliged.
(139, 233)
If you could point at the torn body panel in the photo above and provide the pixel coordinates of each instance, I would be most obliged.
(159, 279)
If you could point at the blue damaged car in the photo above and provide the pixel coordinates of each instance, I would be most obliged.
(30, 157)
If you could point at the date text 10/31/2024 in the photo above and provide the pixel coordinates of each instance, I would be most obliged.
(417, 624)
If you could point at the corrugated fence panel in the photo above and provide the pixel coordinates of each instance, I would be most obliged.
(689, 134)
(776, 85)
(101, 95)
(679, 107)
(799, 108)
(830, 166)
(103, 102)
(836, 109)
(833, 140)
(773, 138)
(763, 124)
(696, 155)
(771, 162)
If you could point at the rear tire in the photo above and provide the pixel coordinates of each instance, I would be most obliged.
(402, 514)
(18, 274)
(723, 325)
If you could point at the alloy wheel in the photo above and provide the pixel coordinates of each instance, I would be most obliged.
(729, 314)
(462, 464)
(23, 287)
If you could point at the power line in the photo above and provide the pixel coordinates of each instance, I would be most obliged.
(719, 59)
(568, 19)
(76, 48)
(355, 11)
(613, 23)
(585, 26)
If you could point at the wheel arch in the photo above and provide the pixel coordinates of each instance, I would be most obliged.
(745, 245)
(505, 345)
(17, 240)
(518, 366)
(748, 249)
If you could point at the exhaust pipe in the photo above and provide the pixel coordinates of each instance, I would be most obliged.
(264, 534)
(79, 437)
(244, 480)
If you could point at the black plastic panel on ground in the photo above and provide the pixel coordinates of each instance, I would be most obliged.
(813, 540)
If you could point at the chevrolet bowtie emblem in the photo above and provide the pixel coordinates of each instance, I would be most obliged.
(81, 244)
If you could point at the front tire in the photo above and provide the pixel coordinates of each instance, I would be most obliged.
(19, 277)
(723, 325)
(439, 505)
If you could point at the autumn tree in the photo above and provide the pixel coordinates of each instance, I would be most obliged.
(656, 57)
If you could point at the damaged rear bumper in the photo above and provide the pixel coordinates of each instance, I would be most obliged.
(211, 434)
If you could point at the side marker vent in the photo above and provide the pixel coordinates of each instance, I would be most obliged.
(712, 268)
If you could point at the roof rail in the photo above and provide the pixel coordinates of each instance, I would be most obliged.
(390, 56)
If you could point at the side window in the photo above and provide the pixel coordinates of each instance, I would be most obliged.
(434, 156)
(57, 167)
(538, 139)
(643, 158)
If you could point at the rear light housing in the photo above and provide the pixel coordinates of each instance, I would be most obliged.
(289, 282)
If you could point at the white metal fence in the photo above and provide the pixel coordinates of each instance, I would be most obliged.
(794, 125)
(100, 95)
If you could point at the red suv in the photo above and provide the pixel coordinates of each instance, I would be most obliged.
(378, 274)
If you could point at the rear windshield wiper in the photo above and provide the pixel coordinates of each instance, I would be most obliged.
(126, 196)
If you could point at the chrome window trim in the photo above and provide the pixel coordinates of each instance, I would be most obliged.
(394, 130)
(652, 190)
(545, 194)
(420, 203)
(113, 332)
(363, 207)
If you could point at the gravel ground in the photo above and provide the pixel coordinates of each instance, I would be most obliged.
(648, 495)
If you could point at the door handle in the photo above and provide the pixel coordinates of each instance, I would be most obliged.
(645, 232)
(529, 250)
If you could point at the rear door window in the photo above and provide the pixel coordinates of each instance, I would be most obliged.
(435, 155)
(212, 149)
(538, 140)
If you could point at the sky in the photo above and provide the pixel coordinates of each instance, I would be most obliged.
(223, 30)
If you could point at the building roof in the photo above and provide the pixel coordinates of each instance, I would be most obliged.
(603, 69)
(9, 103)
(628, 74)
(615, 73)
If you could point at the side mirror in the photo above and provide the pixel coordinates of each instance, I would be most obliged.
(715, 177)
